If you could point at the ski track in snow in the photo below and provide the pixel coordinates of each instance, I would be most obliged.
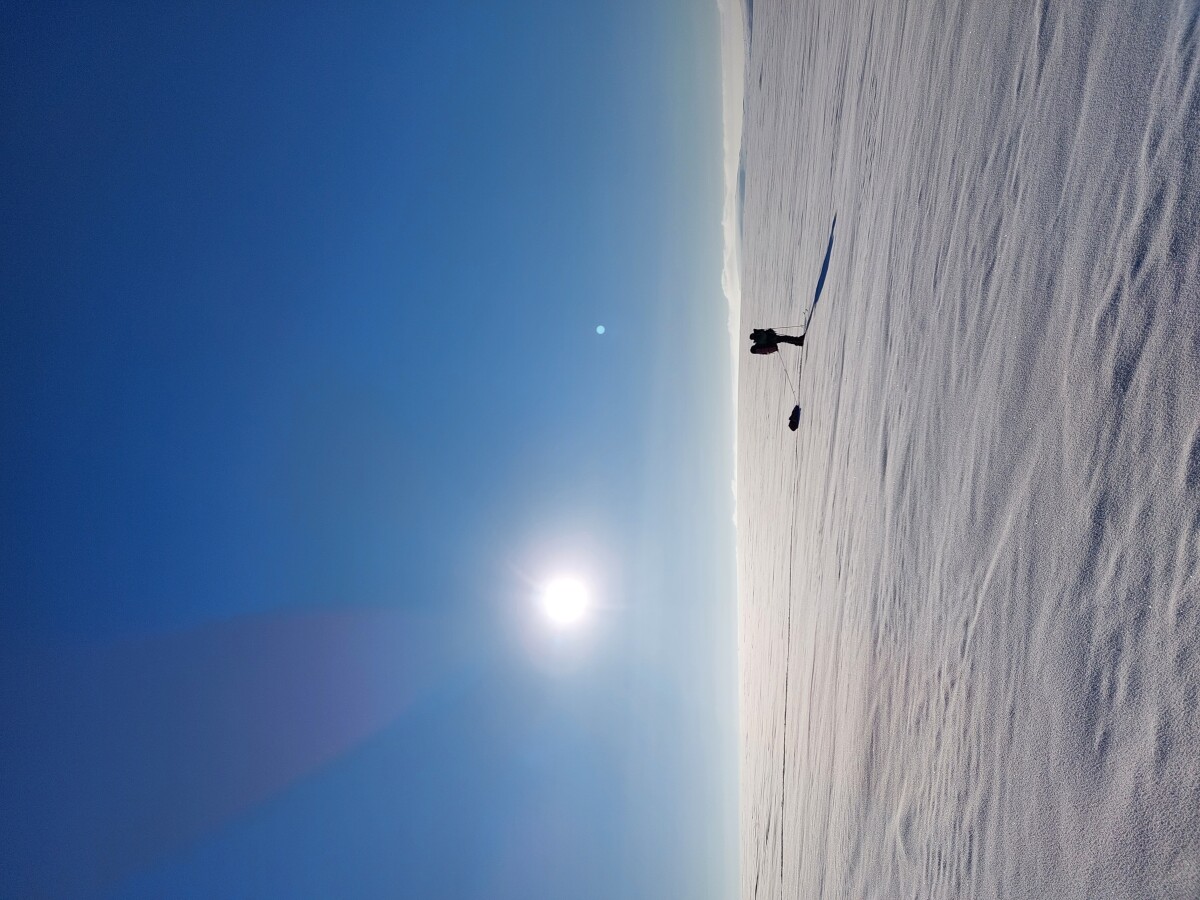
(969, 582)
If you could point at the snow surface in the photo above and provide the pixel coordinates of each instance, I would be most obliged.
(969, 583)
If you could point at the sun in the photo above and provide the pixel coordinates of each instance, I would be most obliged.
(565, 600)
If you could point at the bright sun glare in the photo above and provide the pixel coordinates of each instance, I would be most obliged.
(565, 600)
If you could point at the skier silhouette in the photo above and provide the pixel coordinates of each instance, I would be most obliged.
(765, 340)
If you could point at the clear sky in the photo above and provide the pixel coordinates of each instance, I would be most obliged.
(303, 399)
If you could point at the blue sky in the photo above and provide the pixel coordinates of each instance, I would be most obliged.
(302, 399)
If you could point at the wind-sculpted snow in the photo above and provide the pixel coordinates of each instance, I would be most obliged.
(970, 580)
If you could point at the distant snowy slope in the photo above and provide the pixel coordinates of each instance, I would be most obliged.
(733, 64)
(970, 582)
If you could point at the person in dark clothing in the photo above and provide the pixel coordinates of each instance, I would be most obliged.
(765, 340)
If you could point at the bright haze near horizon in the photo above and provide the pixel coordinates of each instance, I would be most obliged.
(331, 338)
